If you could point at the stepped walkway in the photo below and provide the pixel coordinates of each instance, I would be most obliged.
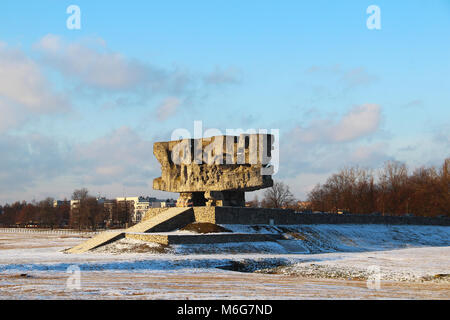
(97, 241)
(168, 220)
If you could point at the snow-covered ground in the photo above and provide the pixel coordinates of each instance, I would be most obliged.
(355, 237)
(316, 259)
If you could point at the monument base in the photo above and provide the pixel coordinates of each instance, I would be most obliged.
(252, 216)
(159, 223)
(236, 215)
(212, 199)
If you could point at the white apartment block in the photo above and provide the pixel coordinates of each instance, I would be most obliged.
(138, 206)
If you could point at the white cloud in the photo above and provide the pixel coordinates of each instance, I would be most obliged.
(11, 115)
(109, 170)
(94, 65)
(223, 76)
(417, 103)
(167, 108)
(24, 90)
(309, 153)
(359, 122)
(93, 71)
(349, 78)
(301, 184)
(25, 160)
(336, 69)
(22, 82)
(303, 166)
(369, 154)
(358, 77)
(32, 162)
(121, 156)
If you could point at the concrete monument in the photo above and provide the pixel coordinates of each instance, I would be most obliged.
(215, 171)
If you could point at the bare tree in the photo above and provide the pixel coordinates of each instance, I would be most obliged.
(80, 211)
(394, 178)
(444, 200)
(253, 203)
(278, 196)
(47, 213)
(80, 194)
(95, 213)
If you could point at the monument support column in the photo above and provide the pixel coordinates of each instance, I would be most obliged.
(225, 198)
(189, 199)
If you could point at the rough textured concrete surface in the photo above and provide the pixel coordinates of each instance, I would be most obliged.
(161, 220)
(152, 212)
(168, 239)
(97, 241)
(168, 220)
(214, 171)
(242, 215)
(249, 216)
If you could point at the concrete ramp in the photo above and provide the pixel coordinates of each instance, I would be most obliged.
(169, 220)
(97, 241)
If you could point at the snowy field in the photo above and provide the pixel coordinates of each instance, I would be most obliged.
(318, 261)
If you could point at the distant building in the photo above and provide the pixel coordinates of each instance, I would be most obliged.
(169, 203)
(110, 209)
(74, 211)
(74, 204)
(122, 209)
(58, 203)
(136, 207)
(155, 204)
(101, 200)
(126, 205)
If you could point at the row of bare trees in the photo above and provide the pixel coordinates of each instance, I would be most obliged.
(87, 212)
(392, 190)
(43, 214)
(278, 196)
(90, 213)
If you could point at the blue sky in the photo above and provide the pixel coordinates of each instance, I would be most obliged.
(83, 107)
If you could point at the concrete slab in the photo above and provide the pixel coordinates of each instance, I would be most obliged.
(97, 241)
(168, 220)
(164, 238)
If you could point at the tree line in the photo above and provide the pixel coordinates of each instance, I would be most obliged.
(42, 214)
(392, 190)
(87, 213)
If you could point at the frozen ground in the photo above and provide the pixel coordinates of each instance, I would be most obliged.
(320, 261)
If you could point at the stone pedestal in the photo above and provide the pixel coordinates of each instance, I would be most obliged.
(212, 199)
(191, 199)
(225, 198)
